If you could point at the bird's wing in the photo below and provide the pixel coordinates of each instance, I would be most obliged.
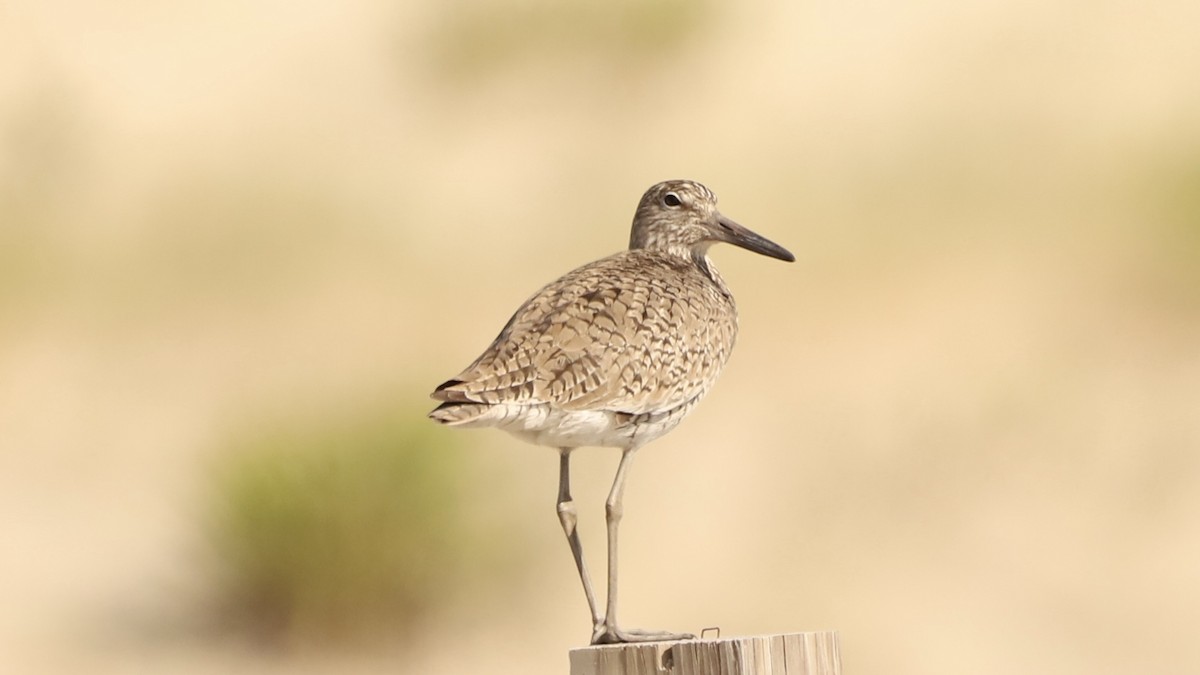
(605, 337)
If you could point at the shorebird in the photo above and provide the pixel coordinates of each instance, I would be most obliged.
(613, 354)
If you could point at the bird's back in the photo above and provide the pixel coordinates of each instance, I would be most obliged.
(614, 351)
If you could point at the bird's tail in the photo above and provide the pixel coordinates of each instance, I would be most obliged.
(456, 413)
(460, 408)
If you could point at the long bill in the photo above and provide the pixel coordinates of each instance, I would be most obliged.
(746, 238)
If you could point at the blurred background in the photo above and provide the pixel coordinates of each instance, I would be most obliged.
(241, 242)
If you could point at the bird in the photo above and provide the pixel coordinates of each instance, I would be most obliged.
(615, 354)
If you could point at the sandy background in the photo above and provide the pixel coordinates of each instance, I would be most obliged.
(963, 429)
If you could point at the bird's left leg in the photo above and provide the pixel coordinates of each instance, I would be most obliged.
(568, 517)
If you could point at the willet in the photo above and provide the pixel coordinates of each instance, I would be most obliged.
(615, 354)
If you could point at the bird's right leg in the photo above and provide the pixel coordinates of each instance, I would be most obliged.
(608, 632)
(568, 517)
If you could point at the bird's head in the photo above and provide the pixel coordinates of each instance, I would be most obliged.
(681, 216)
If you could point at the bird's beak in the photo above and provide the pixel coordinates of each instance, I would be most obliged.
(751, 241)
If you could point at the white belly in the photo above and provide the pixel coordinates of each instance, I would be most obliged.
(544, 425)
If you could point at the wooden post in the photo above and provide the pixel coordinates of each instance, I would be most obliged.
(787, 654)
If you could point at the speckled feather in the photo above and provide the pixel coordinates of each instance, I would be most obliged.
(637, 332)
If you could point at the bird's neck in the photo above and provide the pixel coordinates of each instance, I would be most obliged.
(699, 257)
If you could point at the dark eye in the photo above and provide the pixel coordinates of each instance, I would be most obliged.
(671, 199)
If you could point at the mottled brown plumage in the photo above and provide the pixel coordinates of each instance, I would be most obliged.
(615, 353)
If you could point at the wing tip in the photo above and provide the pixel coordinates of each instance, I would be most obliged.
(445, 391)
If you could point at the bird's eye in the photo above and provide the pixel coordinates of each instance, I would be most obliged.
(672, 200)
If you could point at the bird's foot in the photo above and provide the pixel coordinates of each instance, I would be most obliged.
(609, 635)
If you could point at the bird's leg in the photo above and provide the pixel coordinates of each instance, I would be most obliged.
(607, 631)
(567, 516)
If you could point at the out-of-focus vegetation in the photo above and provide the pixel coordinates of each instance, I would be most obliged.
(337, 529)
(1176, 188)
(472, 38)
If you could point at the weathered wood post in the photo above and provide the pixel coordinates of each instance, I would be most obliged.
(786, 654)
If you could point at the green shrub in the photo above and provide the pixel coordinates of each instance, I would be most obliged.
(338, 530)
